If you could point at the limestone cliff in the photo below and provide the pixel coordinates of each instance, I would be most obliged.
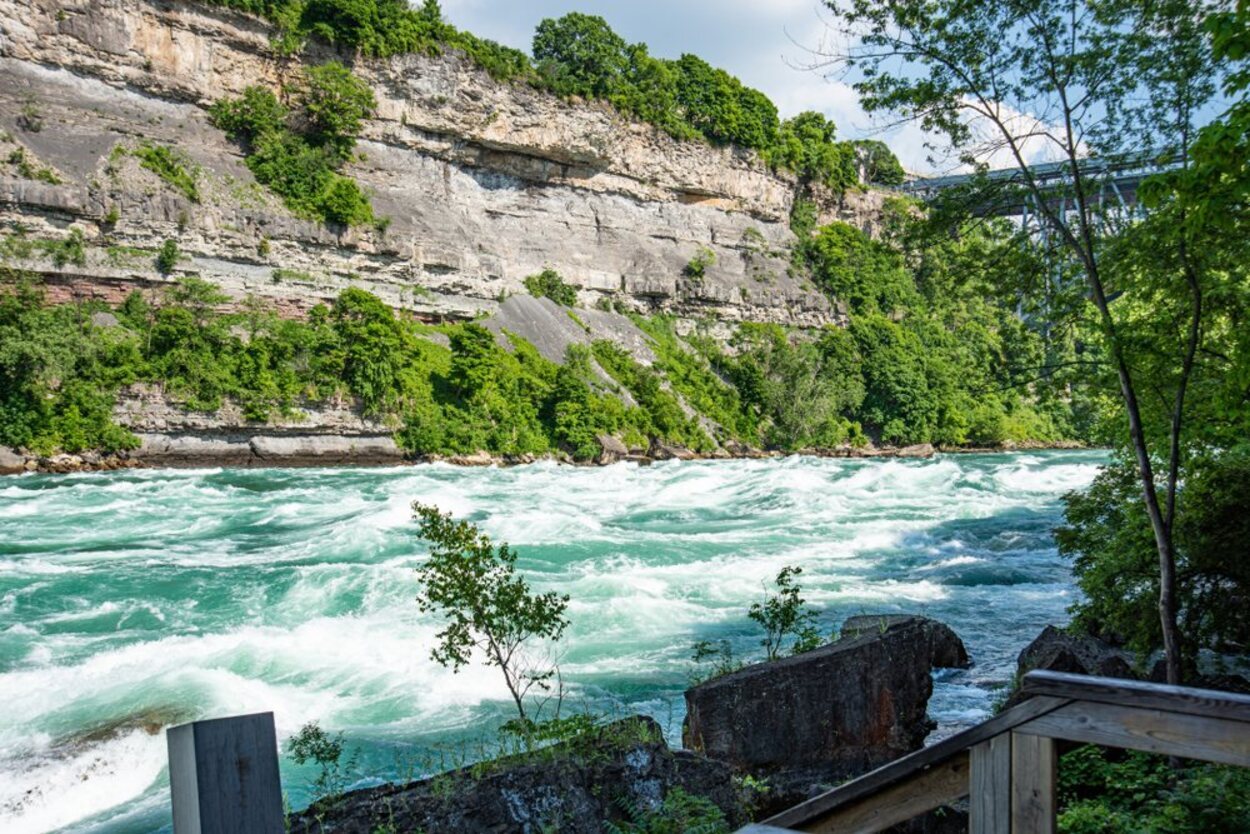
(484, 182)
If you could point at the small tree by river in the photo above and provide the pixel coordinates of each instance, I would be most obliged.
(474, 586)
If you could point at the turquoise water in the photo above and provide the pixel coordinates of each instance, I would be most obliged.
(132, 600)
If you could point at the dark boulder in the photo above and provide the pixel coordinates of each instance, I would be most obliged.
(572, 788)
(1055, 650)
(807, 721)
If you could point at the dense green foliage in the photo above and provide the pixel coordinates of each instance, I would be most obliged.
(298, 154)
(1109, 792)
(1109, 539)
(58, 373)
(473, 585)
(806, 145)
(679, 813)
(549, 284)
(580, 55)
(879, 164)
(934, 352)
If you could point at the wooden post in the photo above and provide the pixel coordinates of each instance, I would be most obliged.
(1033, 771)
(223, 776)
(989, 810)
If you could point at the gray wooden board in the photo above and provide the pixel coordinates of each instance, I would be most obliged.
(223, 776)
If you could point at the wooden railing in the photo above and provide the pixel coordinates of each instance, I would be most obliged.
(1006, 766)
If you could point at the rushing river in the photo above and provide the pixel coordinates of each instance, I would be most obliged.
(133, 600)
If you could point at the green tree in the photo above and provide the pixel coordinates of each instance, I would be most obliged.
(877, 164)
(806, 144)
(474, 586)
(783, 616)
(579, 54)
(1096, 74)
(335, 104)
(315, 745)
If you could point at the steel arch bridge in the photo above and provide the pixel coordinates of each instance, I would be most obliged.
(1004, 193)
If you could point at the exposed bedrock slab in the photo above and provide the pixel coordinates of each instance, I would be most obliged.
(828, 714)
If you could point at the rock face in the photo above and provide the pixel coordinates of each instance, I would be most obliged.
(945, 649)
(1055, 650)
(827, 714)
(11, 463)
(570, 790)
(484, 182)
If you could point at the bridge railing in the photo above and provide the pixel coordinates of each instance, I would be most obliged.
(1006, 766)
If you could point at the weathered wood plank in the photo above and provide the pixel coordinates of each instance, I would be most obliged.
(1183, 699)
(904, 768)
(989, 807)
(1033, 767)
(1209, 739)
(758, 828)
(931, 788)
(223, 776)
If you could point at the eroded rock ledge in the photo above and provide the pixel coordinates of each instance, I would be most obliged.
(484, 182)
(796, 724)
(829, 714)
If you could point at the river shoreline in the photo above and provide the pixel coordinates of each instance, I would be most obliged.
(319, 451)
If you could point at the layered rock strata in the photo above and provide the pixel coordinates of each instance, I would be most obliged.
(483, 182)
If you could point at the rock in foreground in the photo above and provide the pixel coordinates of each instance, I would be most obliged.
(571, 788)
(828, 714)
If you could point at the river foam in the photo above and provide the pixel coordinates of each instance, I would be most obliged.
(133, 600)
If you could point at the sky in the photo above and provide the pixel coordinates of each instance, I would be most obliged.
(766, 43)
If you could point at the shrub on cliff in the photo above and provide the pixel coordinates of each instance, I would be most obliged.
(806, 145)
(549, 284)
(298, 154)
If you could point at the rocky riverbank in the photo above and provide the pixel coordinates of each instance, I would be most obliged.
(307, 450)
(761, 738)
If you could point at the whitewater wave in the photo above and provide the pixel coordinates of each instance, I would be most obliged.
(177, 595)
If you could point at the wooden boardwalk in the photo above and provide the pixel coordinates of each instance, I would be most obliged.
(1006, 767)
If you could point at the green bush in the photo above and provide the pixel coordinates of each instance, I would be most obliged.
(1108, 792)
(301, 166)
(549, 284)
(172, 167)
(806, 145)
(679, 813)
(335, 105)
(1108, 537)
(167, 257)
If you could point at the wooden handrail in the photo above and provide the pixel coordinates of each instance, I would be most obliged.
(1007, 764)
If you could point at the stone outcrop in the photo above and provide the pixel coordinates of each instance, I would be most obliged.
(1056, 650)
(825, 715)
(572, 788)
(483, 182)
(11, 463)
(944, 648)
